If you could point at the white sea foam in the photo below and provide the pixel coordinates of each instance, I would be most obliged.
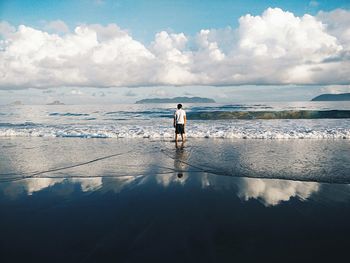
(194, 131)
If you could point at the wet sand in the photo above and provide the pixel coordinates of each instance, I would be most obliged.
(107, 200)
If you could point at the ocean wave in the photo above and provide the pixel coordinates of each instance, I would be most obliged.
(25, 124)
(229, 107)
(141, 114)
(269, 115)
(68, 114)
(196, 131)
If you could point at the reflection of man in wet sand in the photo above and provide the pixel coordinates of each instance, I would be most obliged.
(179, 122)
(180, 159)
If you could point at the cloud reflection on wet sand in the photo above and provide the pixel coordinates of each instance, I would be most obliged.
(214, 165)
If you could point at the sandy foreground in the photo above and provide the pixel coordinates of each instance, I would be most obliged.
(103, 200)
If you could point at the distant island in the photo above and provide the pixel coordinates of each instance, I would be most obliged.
(332, 97)
(56, 102)
(176, 100)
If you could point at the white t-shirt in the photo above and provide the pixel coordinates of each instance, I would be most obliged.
(180, 116)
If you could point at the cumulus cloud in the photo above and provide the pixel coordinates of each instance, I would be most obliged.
(273, 192)
(276, 47)
(57, 26)
(166, 180)
(337, 23)
(6, 29)
(89, 184)
(36, 185)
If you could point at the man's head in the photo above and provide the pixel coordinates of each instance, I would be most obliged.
(179, 106)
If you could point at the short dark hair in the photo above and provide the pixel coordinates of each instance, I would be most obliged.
(179, 106)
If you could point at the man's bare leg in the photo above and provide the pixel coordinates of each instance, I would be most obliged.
(175, 137)
(183, 137)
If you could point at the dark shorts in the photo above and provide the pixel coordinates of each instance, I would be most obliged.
(180, 129)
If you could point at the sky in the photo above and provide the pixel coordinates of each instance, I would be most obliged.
(104, 51)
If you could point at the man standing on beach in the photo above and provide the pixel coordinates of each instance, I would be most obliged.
(179, 122)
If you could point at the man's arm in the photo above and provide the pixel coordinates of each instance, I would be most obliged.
(174, 122)
(185, 120)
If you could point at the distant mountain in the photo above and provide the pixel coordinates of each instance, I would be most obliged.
(176, 100)
(56, 102)
(332, 97)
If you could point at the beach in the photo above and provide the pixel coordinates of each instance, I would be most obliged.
(209, 200)
(174, 131)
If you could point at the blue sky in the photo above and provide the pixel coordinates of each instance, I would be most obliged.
(102, 51)
(144, 18)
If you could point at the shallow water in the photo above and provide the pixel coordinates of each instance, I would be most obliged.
(209, 200)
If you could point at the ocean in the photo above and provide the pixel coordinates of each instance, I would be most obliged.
(253, 182)
(293, 120)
